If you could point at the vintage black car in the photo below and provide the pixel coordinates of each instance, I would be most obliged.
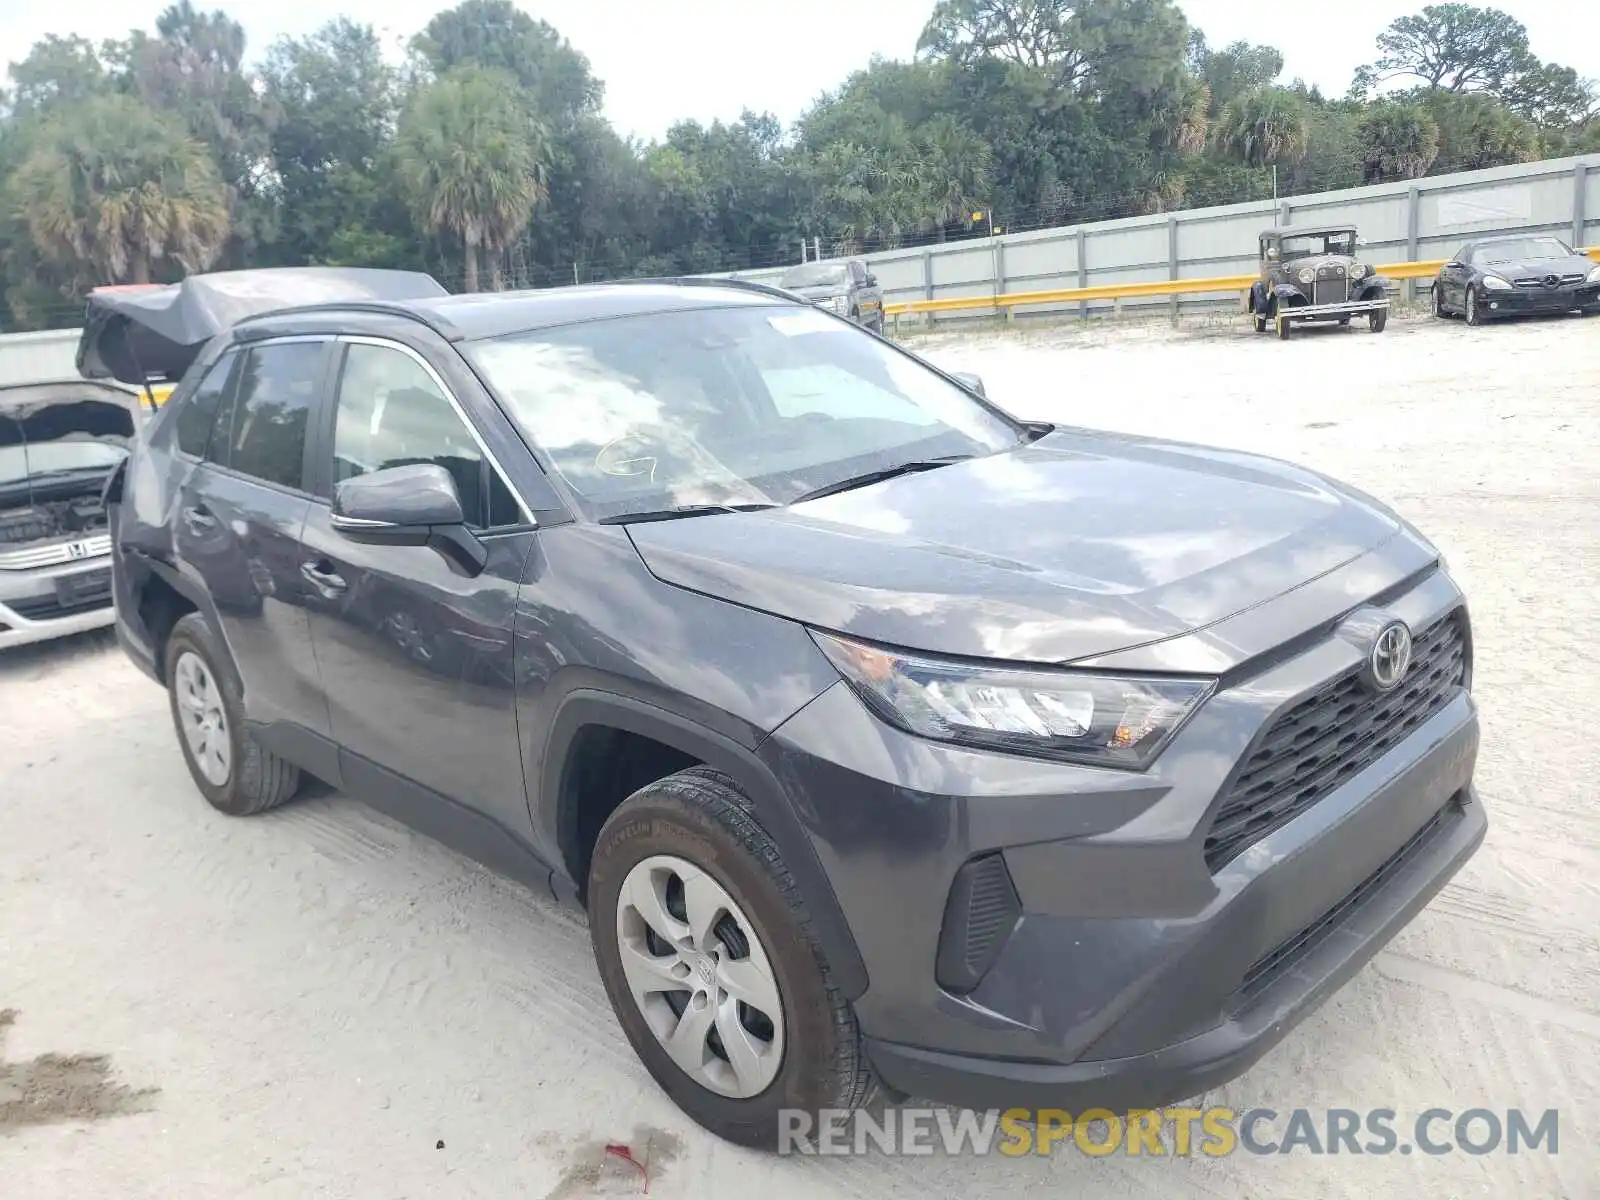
(1314, 275)
(1511, 276)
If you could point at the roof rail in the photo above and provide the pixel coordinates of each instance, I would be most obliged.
(386, 308)
(749, 285)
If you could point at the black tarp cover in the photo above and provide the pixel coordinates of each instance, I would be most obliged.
(137, 335)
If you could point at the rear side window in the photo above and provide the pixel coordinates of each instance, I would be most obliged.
(198, 412)
(274, 395)
(391, 413)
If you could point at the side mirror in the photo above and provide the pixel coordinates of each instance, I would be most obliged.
(412, 505)
(971, 382)
(872, 280)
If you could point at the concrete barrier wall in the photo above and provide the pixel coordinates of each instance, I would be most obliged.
(1404, 221)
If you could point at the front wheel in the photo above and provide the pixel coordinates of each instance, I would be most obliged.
(1474, 313)
(1377, 319)
(1285, 326)
(707, 953)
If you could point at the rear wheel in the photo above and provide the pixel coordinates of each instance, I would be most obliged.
(706, 950)
(1259, 320)
(232, 771)
(1438, 302)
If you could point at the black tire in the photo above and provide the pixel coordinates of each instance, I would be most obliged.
(1259, 320)
(700, 815)
(1438, 302)
(257, 779)
(1343, 321)
(1285, 326)
(1473, 313)
(1377, 319)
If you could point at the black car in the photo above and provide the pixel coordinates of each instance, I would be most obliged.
(848, 288)
(885, 738)
(1514, 276)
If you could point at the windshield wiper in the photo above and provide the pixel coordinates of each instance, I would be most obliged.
(681, 511)
(855, 481)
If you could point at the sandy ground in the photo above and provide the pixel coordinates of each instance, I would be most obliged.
(319, 1002)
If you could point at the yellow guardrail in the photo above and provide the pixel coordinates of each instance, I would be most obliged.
(1157, 287)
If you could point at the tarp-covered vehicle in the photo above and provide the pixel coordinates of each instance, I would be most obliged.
(148, 336)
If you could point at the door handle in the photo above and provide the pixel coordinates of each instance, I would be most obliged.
(326, 580)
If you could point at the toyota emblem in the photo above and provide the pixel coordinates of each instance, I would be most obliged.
(1391, 656)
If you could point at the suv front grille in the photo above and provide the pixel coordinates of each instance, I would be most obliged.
(1332, 735)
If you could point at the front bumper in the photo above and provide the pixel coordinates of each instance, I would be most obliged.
(31, 610)
(1518, 301)
(1129, 973)
(1318, 312)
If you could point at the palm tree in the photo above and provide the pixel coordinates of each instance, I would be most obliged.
(1398, 141)
(956, 170)
(470, 160)
(111, 187)
(1265, 128)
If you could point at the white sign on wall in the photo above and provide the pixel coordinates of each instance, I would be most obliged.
(1499, 206)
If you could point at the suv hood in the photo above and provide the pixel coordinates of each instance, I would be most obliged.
(1073, 547)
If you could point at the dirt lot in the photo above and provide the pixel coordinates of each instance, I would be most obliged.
(318, 1002)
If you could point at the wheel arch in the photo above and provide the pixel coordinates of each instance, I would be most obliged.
(585, 710)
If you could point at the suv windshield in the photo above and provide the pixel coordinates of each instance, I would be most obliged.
(814, 275)
(1523, 249)
(1311, 245)
(726, 406)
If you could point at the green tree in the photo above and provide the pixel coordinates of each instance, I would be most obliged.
(1398, 141)
(111, 189)
(1454, 47)
(1478, 131)
(471, 162)
(1236, 70)
(59, 71)
(1265, 128)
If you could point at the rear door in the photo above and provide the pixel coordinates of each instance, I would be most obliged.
(417, 657)
(236, 529)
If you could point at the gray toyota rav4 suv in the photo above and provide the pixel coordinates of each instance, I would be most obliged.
(886, 739)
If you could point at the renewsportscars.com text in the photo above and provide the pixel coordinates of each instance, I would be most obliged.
(1170, 1132)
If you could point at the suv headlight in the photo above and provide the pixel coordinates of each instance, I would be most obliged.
(1075, 716)
(1495, 284)
(1594, 275)
(1306, 275)
(838, 303)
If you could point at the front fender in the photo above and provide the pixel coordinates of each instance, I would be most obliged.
(1380, 285)
(585, 707)
(1288, 293)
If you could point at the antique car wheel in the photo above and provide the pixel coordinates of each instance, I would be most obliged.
(1260, 322)
(1285, 326)
(1377, 319)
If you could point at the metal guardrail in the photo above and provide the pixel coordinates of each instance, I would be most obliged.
(1158, 287)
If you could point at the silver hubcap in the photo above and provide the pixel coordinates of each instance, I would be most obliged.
(202, 718)
(700, 977)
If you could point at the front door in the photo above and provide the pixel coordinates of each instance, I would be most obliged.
(416, 657)
(240, 511)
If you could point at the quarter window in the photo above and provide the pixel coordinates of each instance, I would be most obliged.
(392, 413)
(198, 412)
(273, 399)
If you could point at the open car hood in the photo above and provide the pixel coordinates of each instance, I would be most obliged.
(137, 335)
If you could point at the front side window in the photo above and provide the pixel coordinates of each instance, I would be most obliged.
(757, 404)
(273, 398)
(391, 413)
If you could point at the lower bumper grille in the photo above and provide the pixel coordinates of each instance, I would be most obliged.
(1332, 735)
(49, 608)
(982, 911)
(1278, 961)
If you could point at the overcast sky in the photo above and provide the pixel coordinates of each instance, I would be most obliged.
(664, 60)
